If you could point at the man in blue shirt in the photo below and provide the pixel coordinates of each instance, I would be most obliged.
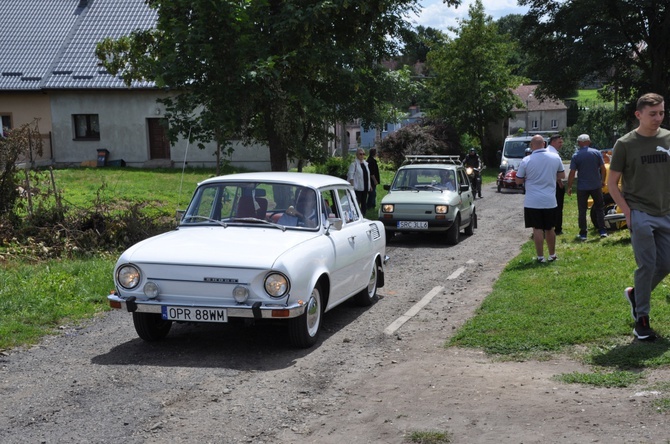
(588, 162)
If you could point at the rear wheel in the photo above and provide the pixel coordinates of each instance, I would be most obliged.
(453, 232)
(303, 331)
(367, 295)
(151, 326)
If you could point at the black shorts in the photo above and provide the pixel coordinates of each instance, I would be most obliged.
(540, 218)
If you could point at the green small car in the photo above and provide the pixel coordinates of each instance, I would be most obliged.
(430, 194)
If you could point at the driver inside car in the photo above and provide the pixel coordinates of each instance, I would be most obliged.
(304, 214)
(447, 180)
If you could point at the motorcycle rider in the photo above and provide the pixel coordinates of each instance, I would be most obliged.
(472, 160)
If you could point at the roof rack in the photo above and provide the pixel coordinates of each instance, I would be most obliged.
(450, 159)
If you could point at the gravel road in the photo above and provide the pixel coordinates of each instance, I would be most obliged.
(368, 380)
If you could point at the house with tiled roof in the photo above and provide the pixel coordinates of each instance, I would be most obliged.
(535, 115)
(49, 72)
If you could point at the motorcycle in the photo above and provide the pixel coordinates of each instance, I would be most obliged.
(507, 180)
(475, 176)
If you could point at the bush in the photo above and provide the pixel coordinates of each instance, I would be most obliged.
(335, 166)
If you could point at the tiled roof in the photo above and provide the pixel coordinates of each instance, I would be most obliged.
(527, 95)
(50, 44)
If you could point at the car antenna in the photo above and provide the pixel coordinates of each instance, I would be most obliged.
(183, 167)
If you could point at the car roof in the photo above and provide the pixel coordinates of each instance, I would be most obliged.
(304, 179)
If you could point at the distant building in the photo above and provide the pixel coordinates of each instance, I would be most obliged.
(535, 115)
(49, 71)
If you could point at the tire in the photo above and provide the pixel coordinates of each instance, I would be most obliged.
(303, 331)
(470, 229)
(150, 326)
(366, 296)
(499, 186)
(453, 233)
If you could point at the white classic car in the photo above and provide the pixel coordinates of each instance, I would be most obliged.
(259, 246)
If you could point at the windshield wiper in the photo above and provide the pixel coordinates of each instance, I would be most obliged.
(253, 219)
(224, 223)
(406, 187)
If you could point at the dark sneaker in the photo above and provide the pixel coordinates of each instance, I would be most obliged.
(642, 329)
(582, 237)
(603, 234)
(629, 294)
(552, 258)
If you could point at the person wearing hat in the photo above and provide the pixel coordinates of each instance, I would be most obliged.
(589, 164)
(472, 160)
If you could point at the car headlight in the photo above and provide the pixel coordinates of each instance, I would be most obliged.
(441, 209)
(387, 208)
(276, 285)
(128, 276)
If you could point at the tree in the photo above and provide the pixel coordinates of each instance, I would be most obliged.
(624, 43)
(473, 81)
(267, 70)
(428, 137)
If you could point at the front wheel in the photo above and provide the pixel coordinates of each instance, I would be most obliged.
(151, 326)
(303, 331)
(453, 232)
(366, 296)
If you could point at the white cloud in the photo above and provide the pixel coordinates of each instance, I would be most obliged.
(435, 14)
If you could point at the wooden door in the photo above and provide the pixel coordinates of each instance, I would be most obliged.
(159, 144)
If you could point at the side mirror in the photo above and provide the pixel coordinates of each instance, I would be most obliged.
(387, 187)
(335, 223)
(464, 187)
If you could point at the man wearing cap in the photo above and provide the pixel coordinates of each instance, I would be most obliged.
(589, 164)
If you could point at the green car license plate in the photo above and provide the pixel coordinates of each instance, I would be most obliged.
(413, 225)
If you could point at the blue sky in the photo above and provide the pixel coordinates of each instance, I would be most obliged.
(436, 14)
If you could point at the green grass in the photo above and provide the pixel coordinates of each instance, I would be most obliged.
(588, 98)
(428, 437)
(35, 299)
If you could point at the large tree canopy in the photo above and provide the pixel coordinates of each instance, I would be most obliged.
(473, 81)
(270, 70)
(623, 42)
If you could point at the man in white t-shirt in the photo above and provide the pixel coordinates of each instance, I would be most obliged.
(539, 174)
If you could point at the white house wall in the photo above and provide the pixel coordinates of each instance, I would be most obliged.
(123, 118)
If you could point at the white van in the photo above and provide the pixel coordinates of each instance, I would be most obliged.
(514, 149)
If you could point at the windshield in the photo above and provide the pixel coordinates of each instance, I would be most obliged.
(516, 149)
(424, 179)
(260, 203)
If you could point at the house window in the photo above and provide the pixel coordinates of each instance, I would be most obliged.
(86, 127)
(535, 124)
(554, 123)
(6, 123)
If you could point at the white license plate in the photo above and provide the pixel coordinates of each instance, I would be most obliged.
(413, 225)
(194, 314)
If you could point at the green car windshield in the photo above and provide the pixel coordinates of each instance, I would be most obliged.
(424, 179)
